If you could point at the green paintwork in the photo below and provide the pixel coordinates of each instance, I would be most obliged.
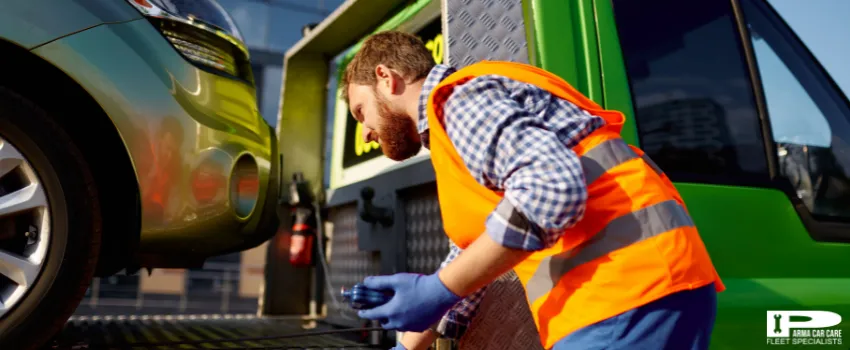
(34, 22)
(528, 17)
(566, 43)
(615, 85)
(756, 239)
(172, 117)
(766, 259)
(340, 117)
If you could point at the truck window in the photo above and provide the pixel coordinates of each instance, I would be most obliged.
(808, 116)
(694, 105)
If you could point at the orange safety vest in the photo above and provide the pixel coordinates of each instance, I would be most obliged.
(635, 244)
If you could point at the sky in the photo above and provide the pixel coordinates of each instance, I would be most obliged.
(794, 116)
(275, 25)
(823, 26)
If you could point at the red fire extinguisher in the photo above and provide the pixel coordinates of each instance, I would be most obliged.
(303, 222)
(303, 235)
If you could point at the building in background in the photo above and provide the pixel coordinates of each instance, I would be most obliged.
(229, 283)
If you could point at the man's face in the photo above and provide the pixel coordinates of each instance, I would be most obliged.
(384, 121)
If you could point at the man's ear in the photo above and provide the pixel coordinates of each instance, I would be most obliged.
(386, 77)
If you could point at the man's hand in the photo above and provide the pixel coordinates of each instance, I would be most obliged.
(419, 301)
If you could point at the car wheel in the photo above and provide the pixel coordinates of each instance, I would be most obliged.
(49, 224)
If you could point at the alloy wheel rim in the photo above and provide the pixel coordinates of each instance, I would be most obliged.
(24, 226)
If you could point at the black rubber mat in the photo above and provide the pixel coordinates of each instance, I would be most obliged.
(142, 332)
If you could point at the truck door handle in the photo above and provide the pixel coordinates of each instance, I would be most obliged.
(371, 213)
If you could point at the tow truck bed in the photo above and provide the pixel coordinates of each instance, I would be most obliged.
(204, 331)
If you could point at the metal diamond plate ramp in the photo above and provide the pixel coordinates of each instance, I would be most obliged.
(427, 244)
(348, 265)
(504, 320)
(484, 30)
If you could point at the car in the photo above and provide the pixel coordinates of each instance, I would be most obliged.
(130, 138)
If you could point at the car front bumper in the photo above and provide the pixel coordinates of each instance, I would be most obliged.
(190, 134)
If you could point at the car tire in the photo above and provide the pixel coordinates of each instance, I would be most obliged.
(70, 257)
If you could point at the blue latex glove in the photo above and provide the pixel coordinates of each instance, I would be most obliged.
(398, 346)
(419, 301)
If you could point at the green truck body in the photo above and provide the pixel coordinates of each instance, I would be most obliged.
(705, 86)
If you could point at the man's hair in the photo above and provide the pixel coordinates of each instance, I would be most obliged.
(405, 53)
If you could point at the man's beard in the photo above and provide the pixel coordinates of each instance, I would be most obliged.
(397, 132)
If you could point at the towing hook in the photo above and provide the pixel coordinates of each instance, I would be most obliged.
(371, 213)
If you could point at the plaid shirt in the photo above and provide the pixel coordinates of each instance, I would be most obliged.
(516, 138)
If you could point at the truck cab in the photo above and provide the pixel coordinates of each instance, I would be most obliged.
(723, 96)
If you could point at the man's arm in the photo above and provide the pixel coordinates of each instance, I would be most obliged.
(516, 138)
(481, 263)
(456, 321)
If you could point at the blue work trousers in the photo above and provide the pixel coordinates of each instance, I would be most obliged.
(679, 321)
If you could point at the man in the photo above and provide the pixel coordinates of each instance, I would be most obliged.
(533, 176)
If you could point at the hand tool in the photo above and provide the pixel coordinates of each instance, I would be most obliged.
(360, 297)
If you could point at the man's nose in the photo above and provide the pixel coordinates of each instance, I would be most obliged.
(367, 134)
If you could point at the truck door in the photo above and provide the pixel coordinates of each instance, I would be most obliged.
(756, 136)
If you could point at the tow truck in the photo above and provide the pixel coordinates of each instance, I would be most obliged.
(705, 92)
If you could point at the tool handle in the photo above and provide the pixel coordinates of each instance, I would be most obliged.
(360, 297)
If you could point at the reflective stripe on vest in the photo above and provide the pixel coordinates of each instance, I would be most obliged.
(618, 233)
(598, 160)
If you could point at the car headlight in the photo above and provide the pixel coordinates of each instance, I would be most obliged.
(201, 31)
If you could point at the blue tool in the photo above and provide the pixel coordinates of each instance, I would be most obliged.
(360, 297)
